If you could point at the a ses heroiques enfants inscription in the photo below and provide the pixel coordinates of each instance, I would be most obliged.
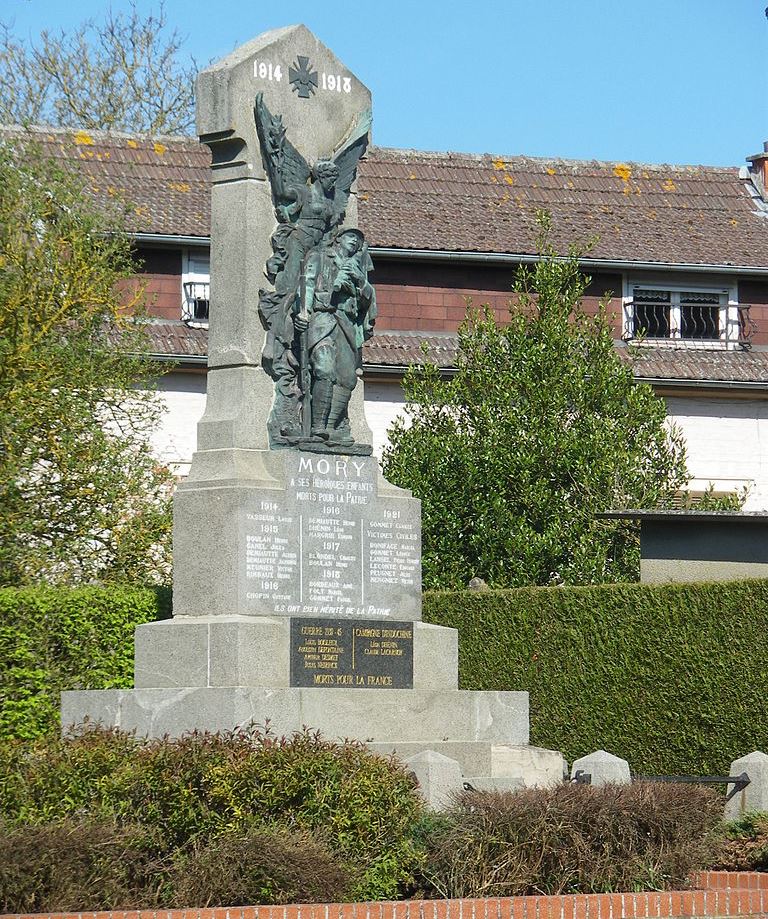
(361, 654)
(330, 545)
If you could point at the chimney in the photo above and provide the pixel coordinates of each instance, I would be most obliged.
(758, 169)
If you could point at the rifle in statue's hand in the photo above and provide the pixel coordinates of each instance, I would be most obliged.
(305, 372)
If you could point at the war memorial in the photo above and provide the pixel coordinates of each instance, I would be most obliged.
(297, 573)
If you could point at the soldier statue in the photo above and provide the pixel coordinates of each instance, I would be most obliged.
(322, 307)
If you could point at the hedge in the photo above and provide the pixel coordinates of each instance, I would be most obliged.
(674, 678)
(62, 638)
(185, 793)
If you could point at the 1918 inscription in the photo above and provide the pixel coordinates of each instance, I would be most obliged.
(356, 654)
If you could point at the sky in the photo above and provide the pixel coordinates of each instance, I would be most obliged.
(654, 81)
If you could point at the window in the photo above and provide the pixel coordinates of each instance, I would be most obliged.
(196, 275)
(700, 317)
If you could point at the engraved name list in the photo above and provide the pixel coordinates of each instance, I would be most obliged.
(330, 545)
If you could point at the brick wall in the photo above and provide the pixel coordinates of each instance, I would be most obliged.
(432, 296)
(755, 293)
(721, 894)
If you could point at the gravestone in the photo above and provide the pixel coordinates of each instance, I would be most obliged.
(297, 566)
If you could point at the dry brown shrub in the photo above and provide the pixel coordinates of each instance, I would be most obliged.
(572, 838)
(242, 868)
(72, 865)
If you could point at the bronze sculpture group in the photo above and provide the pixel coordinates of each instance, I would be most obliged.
(322, 307)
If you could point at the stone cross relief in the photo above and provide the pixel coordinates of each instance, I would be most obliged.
(322, 306)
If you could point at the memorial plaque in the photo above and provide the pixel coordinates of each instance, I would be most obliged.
(356, 654)
(330, 545)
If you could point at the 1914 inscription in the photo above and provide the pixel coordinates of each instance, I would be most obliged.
(329, 545)
(357, 654)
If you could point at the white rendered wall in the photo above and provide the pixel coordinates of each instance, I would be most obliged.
(727, 441)
(184, 397)
(183, 394)
(727, 438)
(384, 401)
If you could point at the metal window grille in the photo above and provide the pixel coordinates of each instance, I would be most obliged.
(196, 301)
(697, 317)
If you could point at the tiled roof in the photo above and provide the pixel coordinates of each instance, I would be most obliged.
(459, 202)
(696, 366)
(397, 350)
(177, 339)
(165, 180)
(631, 212)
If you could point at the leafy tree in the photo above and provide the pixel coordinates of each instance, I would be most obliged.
(123, 73)
(541, 428)
(81, 496)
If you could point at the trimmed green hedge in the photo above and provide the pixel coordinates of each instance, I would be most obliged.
(63, 638)
(674, 678)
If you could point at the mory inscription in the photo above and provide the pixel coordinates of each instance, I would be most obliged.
(357, 654)
(330, 545)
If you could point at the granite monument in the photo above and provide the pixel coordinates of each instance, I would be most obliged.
(297, 566)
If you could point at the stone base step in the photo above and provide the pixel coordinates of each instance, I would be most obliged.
(393, 717)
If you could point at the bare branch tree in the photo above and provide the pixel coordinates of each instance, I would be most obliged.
(123, 73)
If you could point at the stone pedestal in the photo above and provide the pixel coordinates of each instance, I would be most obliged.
(297, 602)
(279, 532)
(401, 719)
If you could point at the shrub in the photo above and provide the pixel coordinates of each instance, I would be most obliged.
(669, 676)
(745, 847)
(66, 638)
(541, 427)
(204, 785)
(76, 865)
(259, 866)
(571, 839)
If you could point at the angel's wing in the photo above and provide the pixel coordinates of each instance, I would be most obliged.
(346, 159)
(284, 164)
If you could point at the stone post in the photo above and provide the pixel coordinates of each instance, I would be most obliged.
(439, 778)
(755, 796)
(604, 767)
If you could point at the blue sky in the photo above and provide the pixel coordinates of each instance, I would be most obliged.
(677, 81)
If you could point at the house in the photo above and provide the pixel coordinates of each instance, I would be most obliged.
(682, 251)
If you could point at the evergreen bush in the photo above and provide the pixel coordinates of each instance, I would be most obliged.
(671, 677)
(203, 786)
(52, 639)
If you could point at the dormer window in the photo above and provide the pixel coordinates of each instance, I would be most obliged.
(701, 317)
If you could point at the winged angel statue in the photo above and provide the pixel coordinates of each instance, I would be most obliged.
(322, 307)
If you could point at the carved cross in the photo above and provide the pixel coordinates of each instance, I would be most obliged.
(302, 79)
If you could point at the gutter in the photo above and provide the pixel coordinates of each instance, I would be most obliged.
(166, 239)
(188, 360)
(506, 258)
(678, 383)
(498, 258)
(399, 370)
